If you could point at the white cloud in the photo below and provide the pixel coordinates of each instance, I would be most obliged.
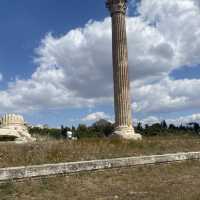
(184, 120)
(197, 2)
(167, 95)
(149, 120)
(75, 70)
(96, 116)
(178, 21)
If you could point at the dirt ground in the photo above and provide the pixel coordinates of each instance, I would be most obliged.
(179, 181)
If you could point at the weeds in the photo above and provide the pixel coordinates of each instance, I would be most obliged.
(55, 151)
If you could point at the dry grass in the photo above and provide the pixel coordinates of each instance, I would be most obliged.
(179, 181)
(64, 151)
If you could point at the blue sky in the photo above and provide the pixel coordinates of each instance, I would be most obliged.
(163, 60)
(25, 23)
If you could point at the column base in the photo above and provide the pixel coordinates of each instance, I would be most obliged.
(127, 133)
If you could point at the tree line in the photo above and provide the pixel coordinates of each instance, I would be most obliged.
(171, 129)
(103, 128)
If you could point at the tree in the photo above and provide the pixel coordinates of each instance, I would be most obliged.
(172, 127)
(63, 132)
(163, 124)
(103, 128)
(82, 128)
(139, 127)
(196, 127)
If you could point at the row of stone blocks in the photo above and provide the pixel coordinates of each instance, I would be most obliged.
(17, 173)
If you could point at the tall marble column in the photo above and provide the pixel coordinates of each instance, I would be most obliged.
(122, 100)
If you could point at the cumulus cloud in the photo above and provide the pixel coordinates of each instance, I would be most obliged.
(149, 120)
(75, 70)
(178, 21)
(167, 95)
(197, 2)
(184, 120)
(96, 116)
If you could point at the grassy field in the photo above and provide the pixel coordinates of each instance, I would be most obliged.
(88, 149)
(180, 181)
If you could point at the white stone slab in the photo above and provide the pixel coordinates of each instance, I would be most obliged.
(16, 173)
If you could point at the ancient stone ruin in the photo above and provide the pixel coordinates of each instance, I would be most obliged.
(13, 128)
(122, 100)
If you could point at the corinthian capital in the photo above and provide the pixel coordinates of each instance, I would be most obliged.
(117, 6)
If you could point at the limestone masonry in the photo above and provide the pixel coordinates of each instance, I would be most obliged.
(15, 173)
(13, 128)
(122, 100)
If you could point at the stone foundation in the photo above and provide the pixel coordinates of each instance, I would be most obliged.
(39, 171)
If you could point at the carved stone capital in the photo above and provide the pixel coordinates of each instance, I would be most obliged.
(117, 6)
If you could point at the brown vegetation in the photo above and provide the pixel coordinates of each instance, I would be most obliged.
(88, 149)
(169, 181)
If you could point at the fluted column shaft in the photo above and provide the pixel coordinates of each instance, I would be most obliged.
(123, 116)
(120, 71)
